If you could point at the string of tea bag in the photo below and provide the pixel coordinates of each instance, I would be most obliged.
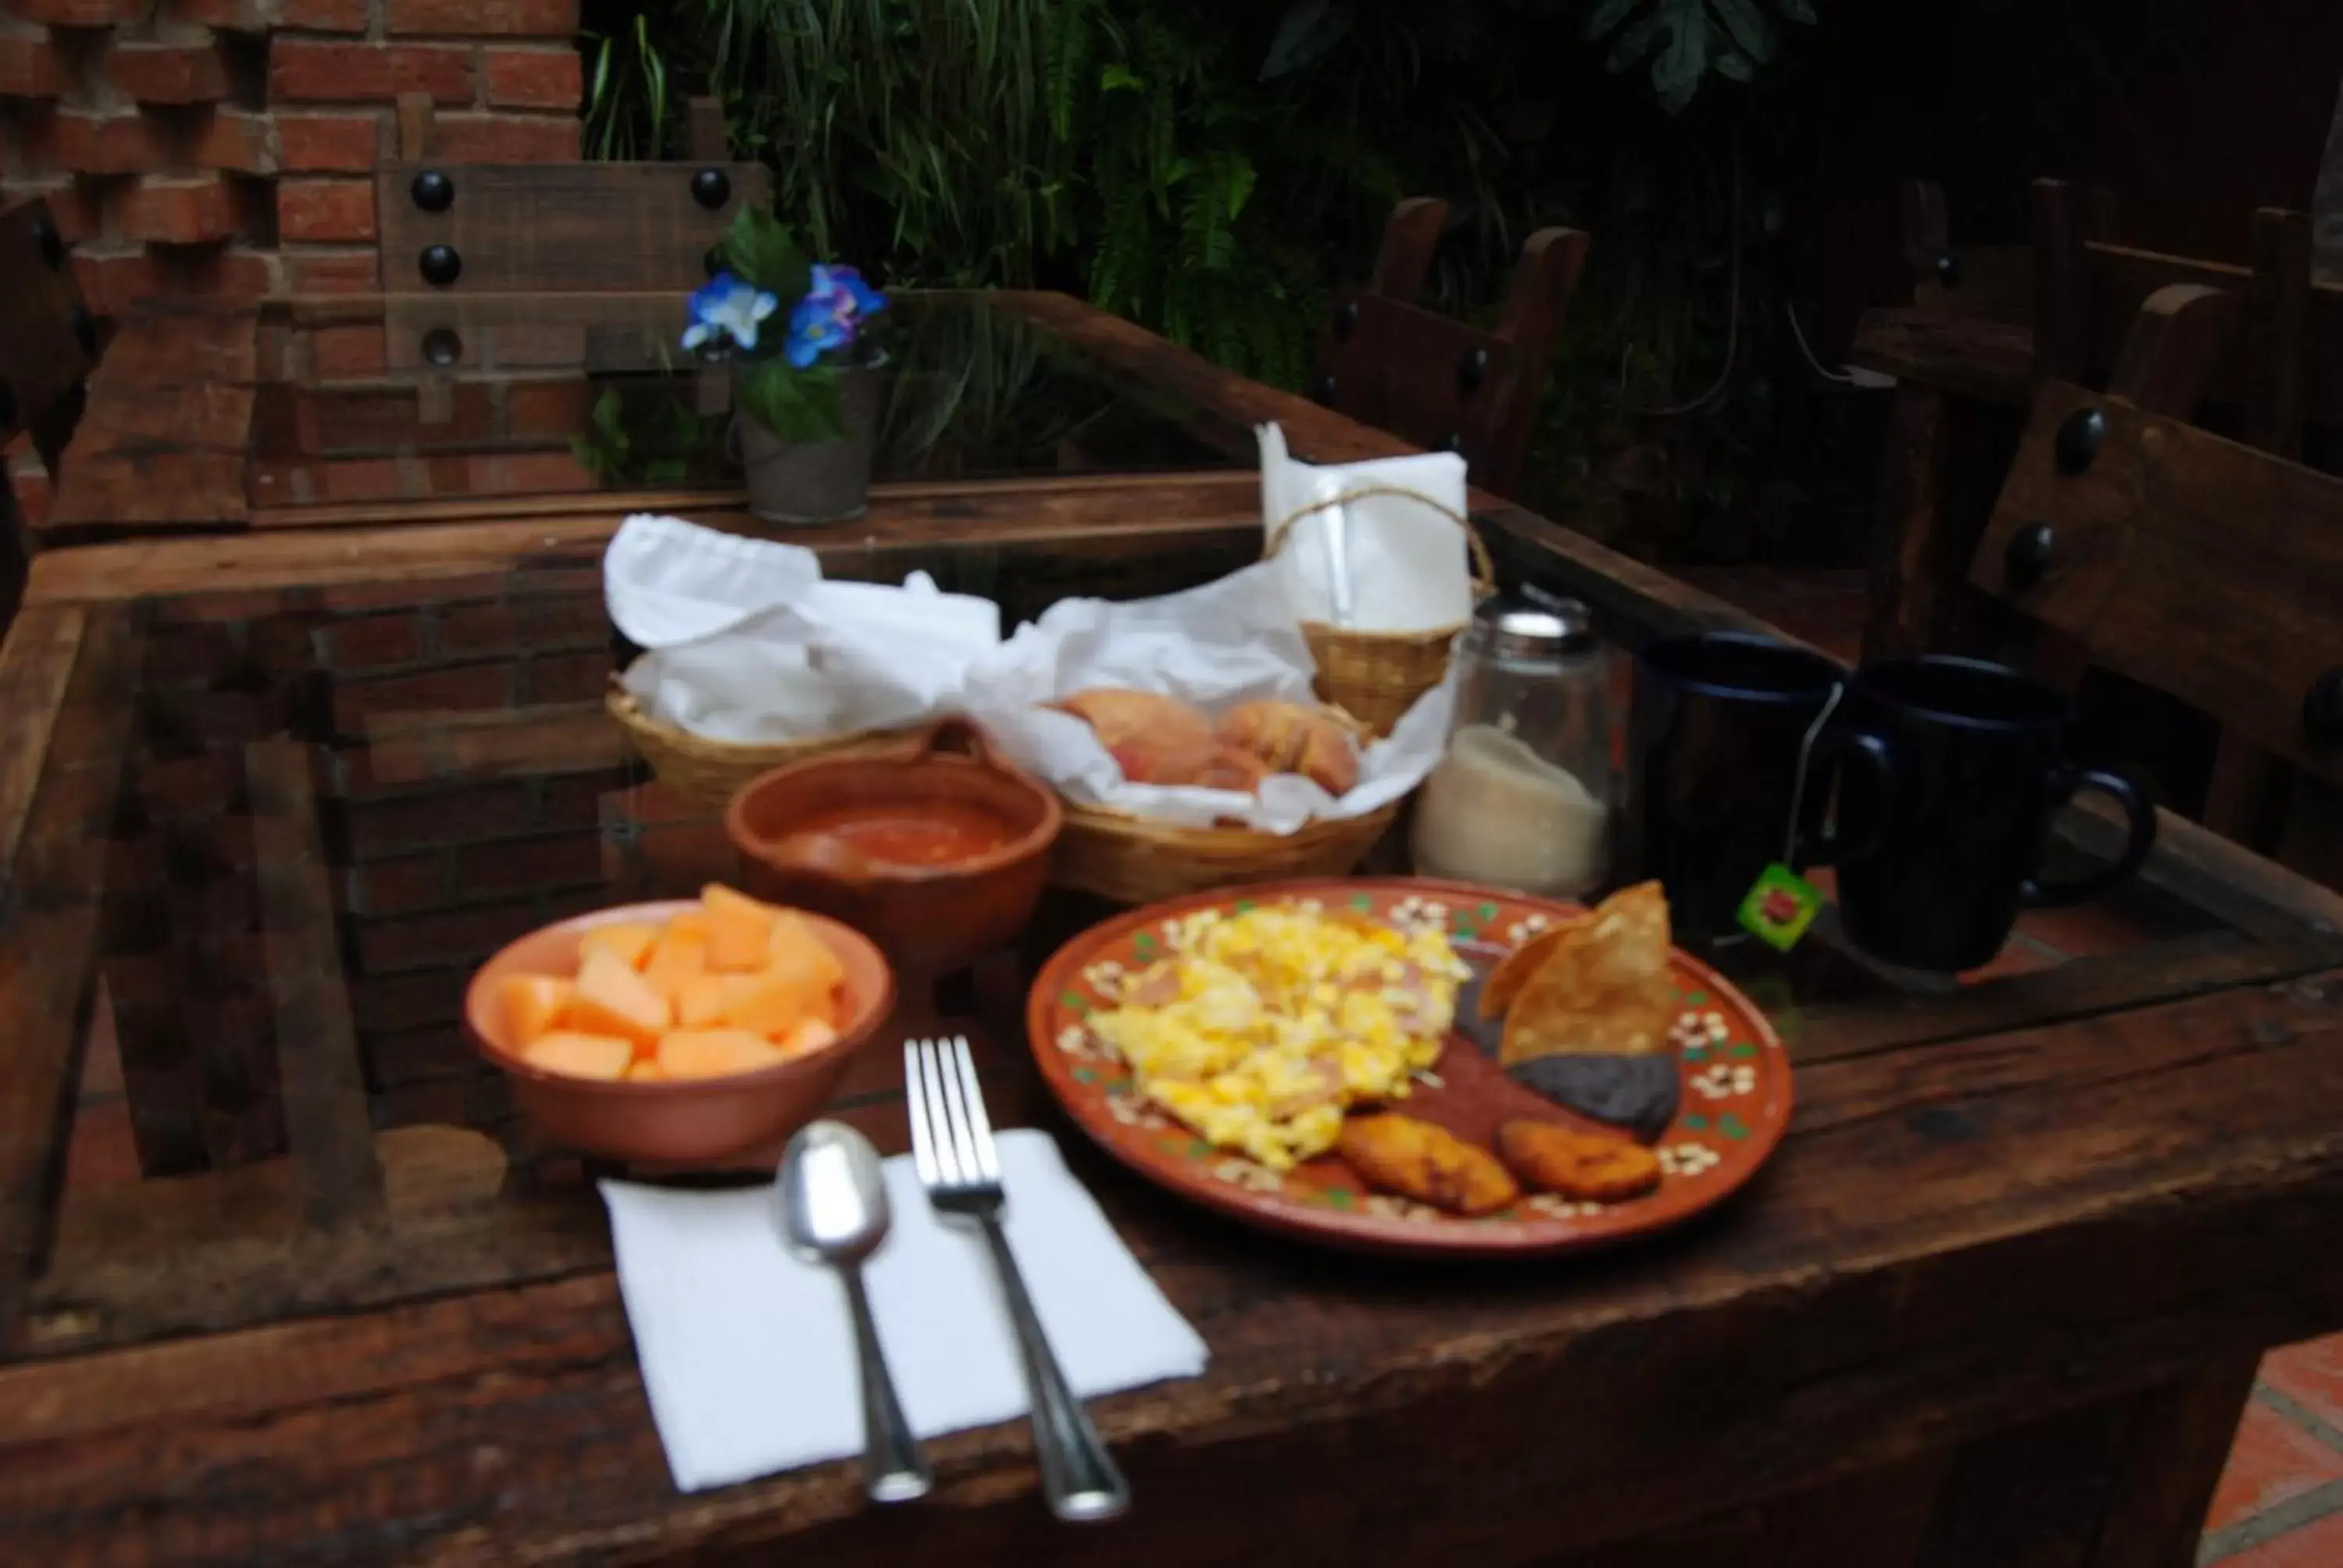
(1781, 904)
(1805, 760)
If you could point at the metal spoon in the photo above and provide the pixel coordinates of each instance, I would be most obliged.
(833, 1210)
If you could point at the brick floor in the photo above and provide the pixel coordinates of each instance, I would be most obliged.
(2311, 1376)
(2274, 1462)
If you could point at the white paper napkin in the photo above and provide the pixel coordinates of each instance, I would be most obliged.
(748, 1356)
(746, 642)
(1410, 567)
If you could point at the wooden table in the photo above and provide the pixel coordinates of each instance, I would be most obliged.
(267, 794)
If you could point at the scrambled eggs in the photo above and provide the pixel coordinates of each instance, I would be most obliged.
(1263, 1026)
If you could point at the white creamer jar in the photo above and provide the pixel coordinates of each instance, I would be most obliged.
(1522, 798)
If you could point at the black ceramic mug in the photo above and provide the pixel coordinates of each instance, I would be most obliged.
(1953, 840)
(1720, 725)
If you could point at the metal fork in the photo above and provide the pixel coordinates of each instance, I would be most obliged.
(951, 1145)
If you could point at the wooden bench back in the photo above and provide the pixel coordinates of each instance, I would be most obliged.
(48, 339)
(2195, 564)
(562, 228)
(1387, 362)
(2080, 291)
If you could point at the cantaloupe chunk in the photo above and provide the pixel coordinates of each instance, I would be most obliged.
(645, 1070)
(773, 1001)
(680, 954)
(629, 941)
(612, 999)
(796, 942)
(533, 1005)
(809, 1037)
(713, 1052)
(740, 928)
(582, 1055)
(699, 1001)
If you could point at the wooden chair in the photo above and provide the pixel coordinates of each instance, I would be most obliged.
(1987, 326)
(2200, 566)
(49, 345)
(48, 339)
(2173, 546)
(1384, 360)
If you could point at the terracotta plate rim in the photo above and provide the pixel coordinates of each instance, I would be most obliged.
(1368, 1232)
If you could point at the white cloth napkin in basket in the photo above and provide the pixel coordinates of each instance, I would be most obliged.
(1408, 564)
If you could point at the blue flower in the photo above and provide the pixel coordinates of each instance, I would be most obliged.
(814, 329)
(730, 306)
(830, 314)
(829, 280)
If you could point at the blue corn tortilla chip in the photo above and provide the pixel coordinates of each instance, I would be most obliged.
(1638, 1093)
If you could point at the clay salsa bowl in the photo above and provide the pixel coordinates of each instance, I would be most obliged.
(797, 829)
(690, 1121)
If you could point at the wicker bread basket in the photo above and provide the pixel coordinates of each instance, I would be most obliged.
(1378, 675)
(1141, 859)
(710, 772)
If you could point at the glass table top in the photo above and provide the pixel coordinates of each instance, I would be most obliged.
(337, 802)
(412, 398)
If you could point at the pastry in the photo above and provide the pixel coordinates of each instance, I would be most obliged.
(1154, 739)
(1294, 738)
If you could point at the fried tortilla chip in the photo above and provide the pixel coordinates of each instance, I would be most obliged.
(1504, 981)
(1603, 989)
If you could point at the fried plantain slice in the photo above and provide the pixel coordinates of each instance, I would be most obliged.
(1588, 1167)
(1430, 1164)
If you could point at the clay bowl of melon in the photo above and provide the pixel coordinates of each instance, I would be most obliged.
(689, 1031)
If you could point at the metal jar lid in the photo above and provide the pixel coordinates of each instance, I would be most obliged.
(1529, 626)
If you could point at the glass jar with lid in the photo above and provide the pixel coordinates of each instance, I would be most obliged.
(1522, 798)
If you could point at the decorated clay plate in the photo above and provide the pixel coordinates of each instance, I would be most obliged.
(1733, 1108)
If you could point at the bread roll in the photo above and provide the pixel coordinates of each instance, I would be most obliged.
(1158, 739)
(1290, 738)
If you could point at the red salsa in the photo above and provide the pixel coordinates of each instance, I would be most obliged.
(935, 835)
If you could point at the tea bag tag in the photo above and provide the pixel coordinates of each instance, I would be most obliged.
(1781, 905)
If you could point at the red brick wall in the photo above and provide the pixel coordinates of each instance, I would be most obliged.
(225, 146)
(443, 846)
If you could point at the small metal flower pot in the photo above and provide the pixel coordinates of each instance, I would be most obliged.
(811, 481)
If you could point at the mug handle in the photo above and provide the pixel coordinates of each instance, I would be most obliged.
(2139, 811)
(1834, 752)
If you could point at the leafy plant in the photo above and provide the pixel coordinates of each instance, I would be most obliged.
(630, 101)
(659, 445)
(790, 379)
(1685, 39)
(1212, 169)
